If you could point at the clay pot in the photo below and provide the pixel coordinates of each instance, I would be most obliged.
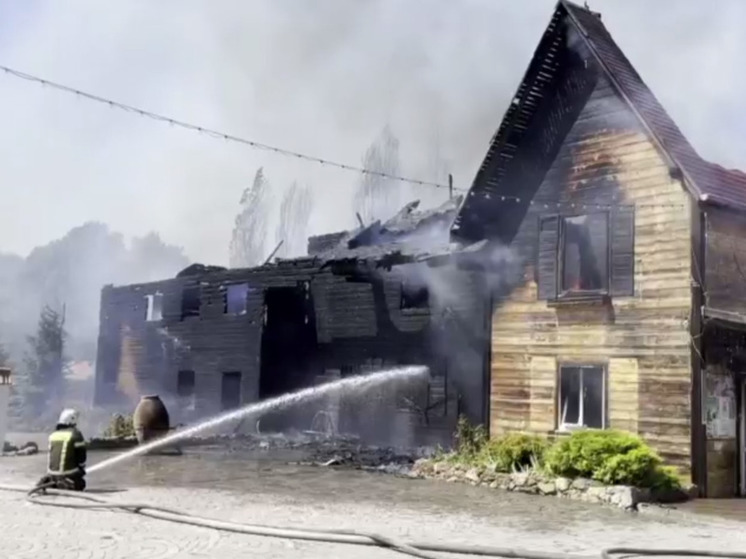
(150, 419)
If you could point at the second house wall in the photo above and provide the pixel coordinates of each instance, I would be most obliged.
(643, 341)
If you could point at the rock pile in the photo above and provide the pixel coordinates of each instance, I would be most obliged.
(26, 450)
(532, 482)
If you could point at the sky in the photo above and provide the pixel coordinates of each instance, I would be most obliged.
(321, 77)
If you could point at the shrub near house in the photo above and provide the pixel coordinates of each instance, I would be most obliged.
(590, 464)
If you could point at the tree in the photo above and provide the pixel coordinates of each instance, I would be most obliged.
(247, 246)
(4, 357)
(45, 363)
(295, 213)
(377, 197)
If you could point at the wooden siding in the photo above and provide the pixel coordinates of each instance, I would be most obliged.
(643, 340)
(358, 324)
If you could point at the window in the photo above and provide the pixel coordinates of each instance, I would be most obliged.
(154, 310)
(236, 298)
(413, 296)
(185, 384)
(586, 255)
(190, 301)
(581, 397)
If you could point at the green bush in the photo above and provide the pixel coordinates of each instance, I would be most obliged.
(583, 453)
(611, 457)
(470, 439)
(514, 451)
(120, 427)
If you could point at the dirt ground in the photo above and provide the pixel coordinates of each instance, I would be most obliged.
(260, 487)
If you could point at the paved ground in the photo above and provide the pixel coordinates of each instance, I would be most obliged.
(261, 490)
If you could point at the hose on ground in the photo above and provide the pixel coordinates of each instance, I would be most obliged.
(424, 550)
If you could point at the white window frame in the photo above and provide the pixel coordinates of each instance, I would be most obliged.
(562, 426)
(150, 314)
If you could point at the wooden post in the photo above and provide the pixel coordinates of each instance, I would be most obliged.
(450, 185)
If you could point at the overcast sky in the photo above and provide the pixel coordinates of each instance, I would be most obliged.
(316, 76)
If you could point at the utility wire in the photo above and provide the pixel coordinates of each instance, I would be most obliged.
(214, 133)
(492, 199)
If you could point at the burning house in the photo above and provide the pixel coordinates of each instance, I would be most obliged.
(386, 294)
(631, 308)
(624, 305)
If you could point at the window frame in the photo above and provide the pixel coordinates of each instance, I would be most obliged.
(603, 367)
(405, 291)
(194, 289)
(570, 294)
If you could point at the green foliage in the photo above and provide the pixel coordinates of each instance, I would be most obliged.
(45, 363)
(611, 457)
(470, 439)
(608, 456)
(585, 452)
(514, 451)
(120, 427)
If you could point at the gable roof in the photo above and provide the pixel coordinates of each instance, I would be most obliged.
(706, 181)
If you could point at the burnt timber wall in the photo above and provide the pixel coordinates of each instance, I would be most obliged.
(358, 323)
(643, 340)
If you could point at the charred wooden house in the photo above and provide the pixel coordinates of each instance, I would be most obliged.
(631, 308)
(625, 305)
(384, 295)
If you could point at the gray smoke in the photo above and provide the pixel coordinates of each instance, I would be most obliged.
(321, 77)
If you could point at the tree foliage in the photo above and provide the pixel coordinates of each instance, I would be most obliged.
(295, 213)
(247, 247)
(45, 363)
(378, 197)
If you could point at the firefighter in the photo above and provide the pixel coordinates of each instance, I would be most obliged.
(67, 454)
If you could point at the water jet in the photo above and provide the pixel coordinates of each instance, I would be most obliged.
(356, 383)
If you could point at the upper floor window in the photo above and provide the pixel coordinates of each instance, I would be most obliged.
(414, 295)
(154, 311)
(236, 298)
(190, 301)
(586, 255)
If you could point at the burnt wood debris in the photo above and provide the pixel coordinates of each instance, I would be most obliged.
(591, 277)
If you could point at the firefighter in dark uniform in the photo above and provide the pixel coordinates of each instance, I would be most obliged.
(67, 454)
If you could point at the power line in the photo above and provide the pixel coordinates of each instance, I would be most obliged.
(258, 145)
(214, 133)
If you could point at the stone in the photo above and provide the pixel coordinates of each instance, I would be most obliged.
(494, 485)
(563, 484)
(580, 483)
(547, 488)
(519, 480)
(472, 475)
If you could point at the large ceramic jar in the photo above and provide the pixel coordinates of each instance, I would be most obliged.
(150, 419)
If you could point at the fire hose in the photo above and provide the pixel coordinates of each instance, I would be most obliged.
(423, 550)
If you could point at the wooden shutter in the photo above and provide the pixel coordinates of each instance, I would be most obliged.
(623, 251)
(546, 264)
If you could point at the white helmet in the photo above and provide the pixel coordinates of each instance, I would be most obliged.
(68, 417)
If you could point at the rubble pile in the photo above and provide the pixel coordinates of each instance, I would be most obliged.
(26, 450)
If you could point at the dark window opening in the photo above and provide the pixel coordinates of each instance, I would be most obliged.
(230, 391)
(190, 301)
(185, 384)
(414, 296)
(236, 298)
(585, 254)
(582, 397)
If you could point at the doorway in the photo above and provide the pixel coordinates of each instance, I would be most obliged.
(288, 346)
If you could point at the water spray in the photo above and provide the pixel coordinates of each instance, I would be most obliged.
(356, 383)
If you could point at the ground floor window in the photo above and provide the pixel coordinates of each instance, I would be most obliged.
(581, 397)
